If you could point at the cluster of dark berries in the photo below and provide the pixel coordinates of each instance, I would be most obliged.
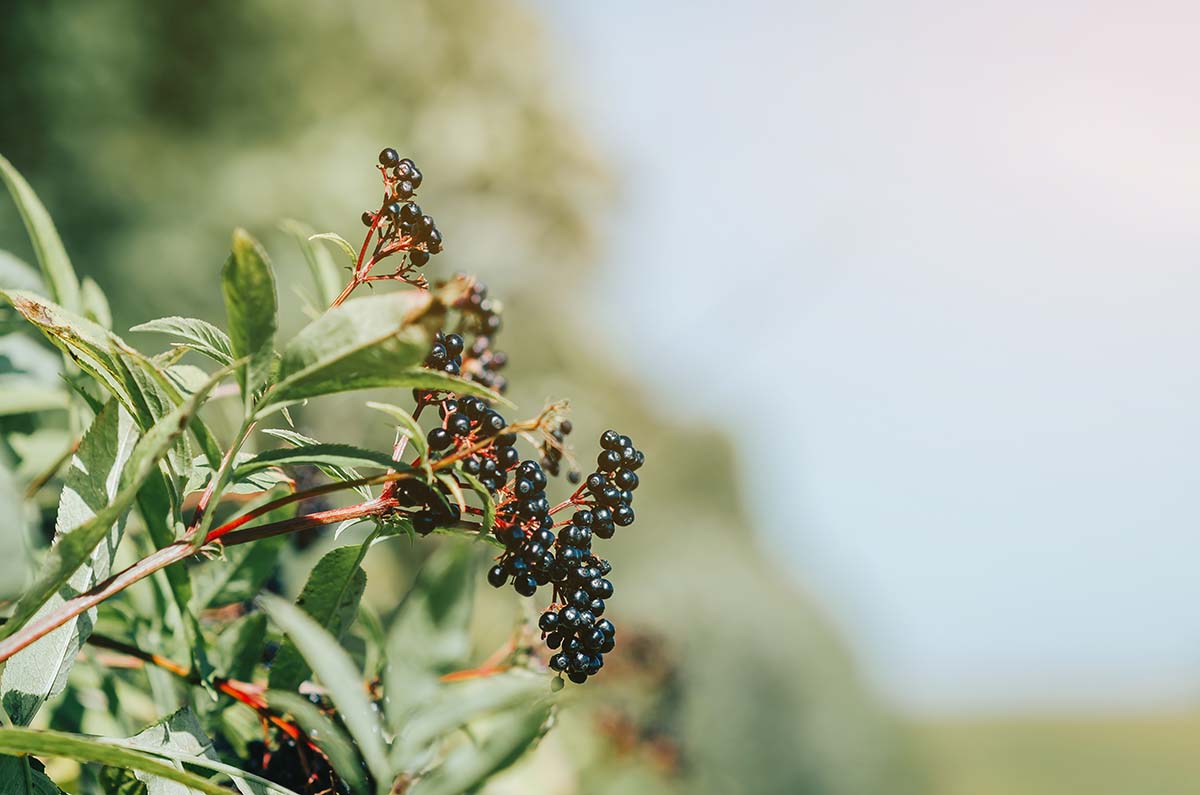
(581, 587)
(437, 509)
(466, 421)
(400, 219)
(288, 766)
(446, 353)
(524, 526)
(613, 483)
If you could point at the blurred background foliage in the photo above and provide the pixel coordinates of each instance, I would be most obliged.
(151, 130)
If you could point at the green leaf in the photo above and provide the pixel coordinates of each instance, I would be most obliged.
(470, 765)
(21, 518)
(95, 303)
(321, 454)
(17, 274)
(40, 671)
(88, 749)
(119, 781)
(248, 284)
(25, 396)
(240, 645)
(241, 575)
(197, 335)
(160, 514)
(340, 242)
(485, 496)
(13, 781)
(408, 426)
(326, 276)
(56, 266)
(342, 680)
(460, 703)
(180, 733)
(253, 480)
(330, 598)
(334, 472)
(72, 549)
(429, 635)
(362, 343)
(325, 733)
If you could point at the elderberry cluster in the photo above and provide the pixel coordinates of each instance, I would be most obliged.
(613, 483)
(446, 353)
(524, 526)
(400, 219)
(582, 588)
(468, 420)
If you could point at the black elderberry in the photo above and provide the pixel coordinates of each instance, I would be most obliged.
(606, 626)
(458, 424)
(626, 479)
(548, 621)
(424, 522)
(414, 176)
(496, 576)
(623, 515)
(608, 460)
(610, 440)
(595, 482)
(417, 258)
(578, 677)
(389, 157)
(525, 585)
(559, 662)
(454, 345)
(439, 439)
(404, 189)
(368, 217)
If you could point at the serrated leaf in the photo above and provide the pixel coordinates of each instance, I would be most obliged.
(362, 343)
(47, 245)
(252, 480)
(334, 472)
(340, 242)
(467, 767)
(330, 598)
(197, 335)
(325, 733)
(342, 680)
(73, 548)
(13, 778)
(128, 375)
(325, 273)
(91, 484)
(248, 285)
(321, 454)
(179, 732)
(88, 749)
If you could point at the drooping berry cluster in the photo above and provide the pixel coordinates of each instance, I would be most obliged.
(401, 223)
(614, 481)
(534, 555)
(466, 421)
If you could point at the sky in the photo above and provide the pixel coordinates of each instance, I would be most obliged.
(937, 264)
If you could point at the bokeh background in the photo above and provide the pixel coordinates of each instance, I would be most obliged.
(899, 298)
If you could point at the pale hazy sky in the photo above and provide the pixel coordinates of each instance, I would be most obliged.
(958, 247)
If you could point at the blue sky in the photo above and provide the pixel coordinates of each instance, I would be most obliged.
(958, 247)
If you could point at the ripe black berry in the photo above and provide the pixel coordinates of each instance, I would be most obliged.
(496, 577)
(389, 157)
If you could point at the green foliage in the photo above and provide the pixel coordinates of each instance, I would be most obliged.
(138, 504)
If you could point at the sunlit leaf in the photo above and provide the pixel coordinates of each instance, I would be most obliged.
(51, 256)
(248, 285)
(330, 598)
(197, 335)
(342, 680)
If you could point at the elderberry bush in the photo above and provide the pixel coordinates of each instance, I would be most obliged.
(188, 467)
